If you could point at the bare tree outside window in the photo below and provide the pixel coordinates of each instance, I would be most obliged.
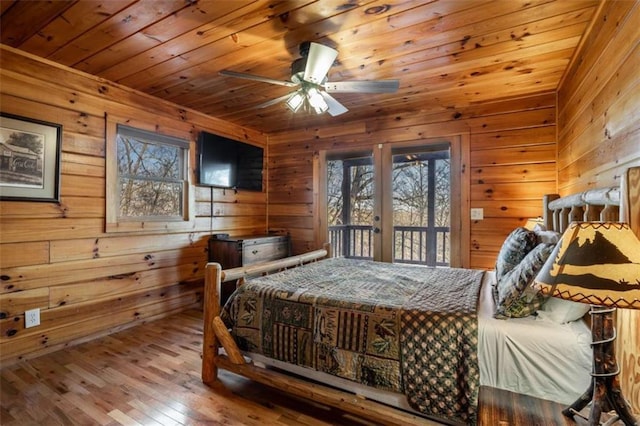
(151, 174)
(421, 207)
(443, 192)
(359, 179)
(350, 205)
(410, 180)
(334, 192)
(361, 194)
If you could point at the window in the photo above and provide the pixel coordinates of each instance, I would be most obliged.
(147, 180)
(151, 174)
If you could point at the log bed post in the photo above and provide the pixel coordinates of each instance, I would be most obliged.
(547, 213)
(211, 310)
(327, 248)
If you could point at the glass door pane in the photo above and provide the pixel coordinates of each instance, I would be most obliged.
(350, 206)
(421, 205)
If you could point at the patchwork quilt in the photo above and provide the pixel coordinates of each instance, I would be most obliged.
(402, 328)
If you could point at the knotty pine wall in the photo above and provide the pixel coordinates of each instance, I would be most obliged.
(599, 136)
(511, 164)
(57, 257)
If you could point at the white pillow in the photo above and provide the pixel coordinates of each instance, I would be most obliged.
(562, 311)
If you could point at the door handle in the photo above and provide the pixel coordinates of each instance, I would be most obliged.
(376, 230)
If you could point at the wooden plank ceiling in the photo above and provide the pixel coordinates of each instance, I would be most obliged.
(447, 54)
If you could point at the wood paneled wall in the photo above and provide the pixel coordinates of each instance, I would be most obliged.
(599, 135)
(58, 257)
(511, 164)
(599, 103)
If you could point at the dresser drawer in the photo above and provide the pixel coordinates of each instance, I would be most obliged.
(264, 251)
(232, 252)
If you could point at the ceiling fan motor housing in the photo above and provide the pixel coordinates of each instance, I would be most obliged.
(297, 69)
(304, 48)
(298, 66)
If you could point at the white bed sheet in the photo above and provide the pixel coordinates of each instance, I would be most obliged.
(532, 356)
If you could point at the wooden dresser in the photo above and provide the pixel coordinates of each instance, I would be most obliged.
(232, 252)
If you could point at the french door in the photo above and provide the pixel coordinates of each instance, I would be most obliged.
(393, 203)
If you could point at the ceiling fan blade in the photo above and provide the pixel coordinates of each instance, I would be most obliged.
(363, 86)
(335, 107)
(319, 60)
(257, 78)
(273, 101)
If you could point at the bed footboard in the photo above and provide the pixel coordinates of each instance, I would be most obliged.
(215, 333)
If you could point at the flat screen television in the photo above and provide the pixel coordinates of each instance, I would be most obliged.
(228, 163)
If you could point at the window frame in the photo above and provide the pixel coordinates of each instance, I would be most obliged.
(116, 223)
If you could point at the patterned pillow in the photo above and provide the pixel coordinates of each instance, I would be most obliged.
(516, 298)
(515, 247)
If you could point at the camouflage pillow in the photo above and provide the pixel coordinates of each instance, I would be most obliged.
(516, 298)
(515, 247)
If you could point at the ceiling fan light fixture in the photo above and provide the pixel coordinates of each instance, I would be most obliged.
(316, 101)
(295, 101)
(321, 109)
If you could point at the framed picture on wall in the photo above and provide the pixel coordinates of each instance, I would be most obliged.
(29, 159)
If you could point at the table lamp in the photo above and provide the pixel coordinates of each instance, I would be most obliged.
(531, 223)
(597, 263)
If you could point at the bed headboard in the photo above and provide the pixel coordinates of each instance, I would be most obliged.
(609, 204)
(594, 205)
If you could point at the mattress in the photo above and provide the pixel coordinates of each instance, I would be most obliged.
(532, 356)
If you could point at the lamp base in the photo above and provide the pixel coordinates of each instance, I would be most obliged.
(607, 397)
(604, 391)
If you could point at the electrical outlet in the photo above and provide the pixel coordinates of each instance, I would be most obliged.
(31, 318)
(477, 214)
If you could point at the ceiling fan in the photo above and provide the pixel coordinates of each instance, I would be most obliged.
(309, 75)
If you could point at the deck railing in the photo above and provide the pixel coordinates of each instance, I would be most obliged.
(412, 244)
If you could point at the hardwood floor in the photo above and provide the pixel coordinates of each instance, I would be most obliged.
(150, 375)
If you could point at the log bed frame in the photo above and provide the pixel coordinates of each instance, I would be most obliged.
(216, 335)
(592, 205)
